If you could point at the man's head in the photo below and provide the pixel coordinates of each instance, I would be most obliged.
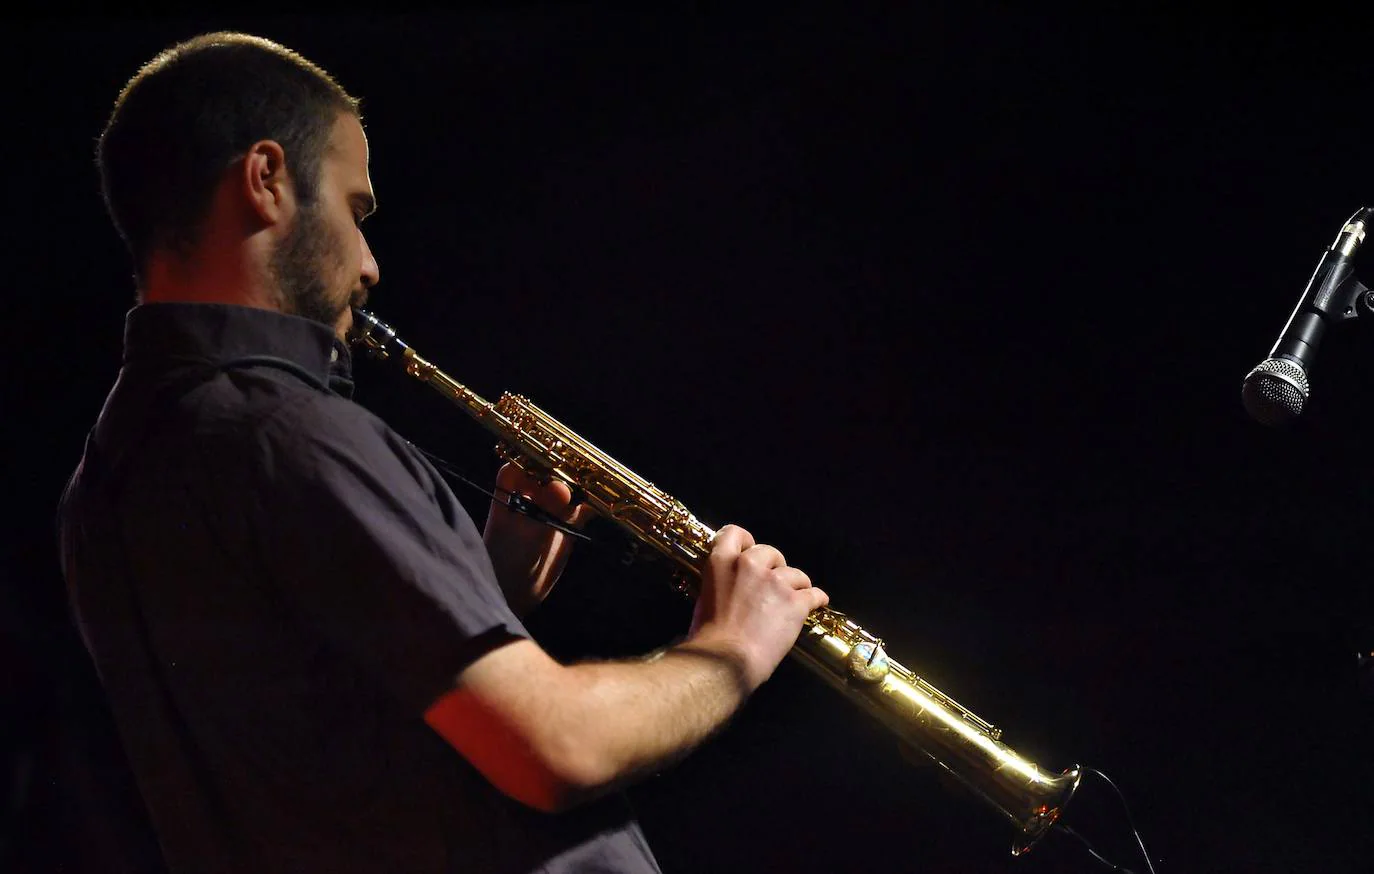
(246, 165)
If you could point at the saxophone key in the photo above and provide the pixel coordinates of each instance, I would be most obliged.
(868, 662)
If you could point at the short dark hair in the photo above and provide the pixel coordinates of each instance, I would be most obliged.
(192, 111)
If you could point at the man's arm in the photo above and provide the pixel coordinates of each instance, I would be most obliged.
(553, 736)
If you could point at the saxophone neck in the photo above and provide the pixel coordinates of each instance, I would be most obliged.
(381, 341)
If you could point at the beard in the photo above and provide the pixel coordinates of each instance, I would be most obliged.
(299, 267)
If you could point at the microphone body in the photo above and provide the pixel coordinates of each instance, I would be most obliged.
(1275, 391)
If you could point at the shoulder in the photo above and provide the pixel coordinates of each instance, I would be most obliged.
(316, 417)
(276, 441)
(317, 432)
(263, 427)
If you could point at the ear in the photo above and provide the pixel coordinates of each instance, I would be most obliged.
(265, 184)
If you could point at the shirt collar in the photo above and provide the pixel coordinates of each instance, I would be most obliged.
(216, 333)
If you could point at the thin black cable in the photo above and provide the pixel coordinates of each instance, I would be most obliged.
(1130, 820)
(1096, 855)
(629, 554)
(515, 501)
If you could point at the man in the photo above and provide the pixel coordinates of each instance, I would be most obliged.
(315, 662)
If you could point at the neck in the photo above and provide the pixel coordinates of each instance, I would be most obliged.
(204, 277)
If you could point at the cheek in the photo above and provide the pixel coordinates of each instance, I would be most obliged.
(346, 246)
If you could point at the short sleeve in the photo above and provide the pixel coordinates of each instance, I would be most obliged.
(369, 545)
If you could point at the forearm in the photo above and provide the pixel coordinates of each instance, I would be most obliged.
(634, 718)
(553, 736)
(527, 573)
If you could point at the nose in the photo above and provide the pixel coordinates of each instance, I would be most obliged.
(370, 273)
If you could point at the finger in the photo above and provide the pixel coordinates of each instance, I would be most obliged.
(793, 577)
(511, 480)
(554, 496)
(730, 541)
(818, 597)
(510, 476)
(556, 499)
(764, 556)
(580, 514)
(550, 494)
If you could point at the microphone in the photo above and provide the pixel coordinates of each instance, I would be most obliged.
(1276, 389)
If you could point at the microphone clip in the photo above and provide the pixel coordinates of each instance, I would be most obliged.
(1359, 303)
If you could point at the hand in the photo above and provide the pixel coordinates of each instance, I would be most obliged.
(752, 602)
(528, 555)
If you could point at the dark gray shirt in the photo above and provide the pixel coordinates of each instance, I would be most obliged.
(274, 586)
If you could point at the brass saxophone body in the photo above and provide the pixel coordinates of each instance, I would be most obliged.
(831, 644)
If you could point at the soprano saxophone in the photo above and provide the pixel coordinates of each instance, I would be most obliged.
(831, 644)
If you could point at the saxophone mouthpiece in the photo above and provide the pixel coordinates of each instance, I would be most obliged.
(363, 323)
(374, 335)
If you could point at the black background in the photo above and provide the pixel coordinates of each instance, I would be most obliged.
(952, 304)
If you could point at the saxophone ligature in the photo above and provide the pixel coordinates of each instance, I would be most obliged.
(831, 644)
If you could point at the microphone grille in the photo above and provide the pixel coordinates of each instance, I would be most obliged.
(1275, 391)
